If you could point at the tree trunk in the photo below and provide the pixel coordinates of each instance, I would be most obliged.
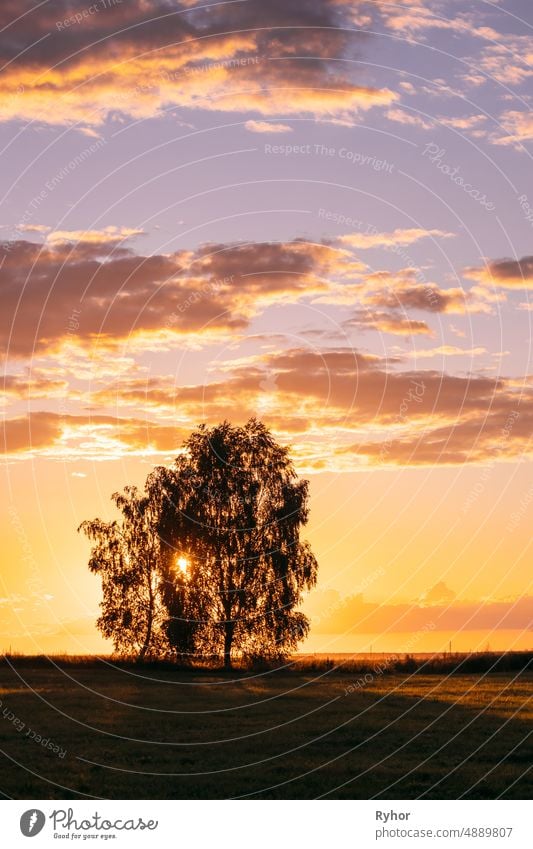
(228, 640)
(148, 637)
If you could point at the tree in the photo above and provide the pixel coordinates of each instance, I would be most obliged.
(233, 565)
(126, 556)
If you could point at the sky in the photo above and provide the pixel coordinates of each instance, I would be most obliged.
(318, 213)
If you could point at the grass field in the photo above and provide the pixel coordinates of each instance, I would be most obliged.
(87, 729)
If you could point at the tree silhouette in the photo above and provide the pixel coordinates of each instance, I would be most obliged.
(208, 561)
(233, 565)
(126, 555)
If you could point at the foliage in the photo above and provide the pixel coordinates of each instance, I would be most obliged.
(232, 505)
(209, 561)
(126, 556)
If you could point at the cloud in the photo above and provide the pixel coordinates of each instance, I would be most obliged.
(28, 433)
(409, 236)
(445, 351)
(94, 291)
(517, 128)
(438, 594)
(468, 122)
(267, 127)
(142, 59)
(507, 273)
(97, 437)
(31, 384)
(336, 382)
(401, 116)
(503, 433)
(340, 408)
(361, 384)
(107, 236)
(507, 62)
(427, 297)
(399, 291)
(355, 615)
(387, 322)
(413, 17)
(34, 228)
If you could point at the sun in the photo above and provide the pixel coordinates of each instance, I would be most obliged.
(182, 563)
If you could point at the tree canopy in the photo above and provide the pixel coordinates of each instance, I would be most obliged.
(126, 555)
(215, 565)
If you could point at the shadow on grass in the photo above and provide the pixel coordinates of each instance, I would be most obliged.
(261, 736)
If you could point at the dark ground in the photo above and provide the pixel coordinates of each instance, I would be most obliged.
(153, 733)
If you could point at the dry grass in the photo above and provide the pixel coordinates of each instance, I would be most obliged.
(314, 729)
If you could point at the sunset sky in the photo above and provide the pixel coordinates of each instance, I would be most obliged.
(318, 213)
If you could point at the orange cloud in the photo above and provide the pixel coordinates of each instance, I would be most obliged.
(507, 273)
(428, 297)
(267, 127)
(97, 437)
(517, 128)
(385, 322)
(94, 290)
(62, 66)
(402, 116)
(31, 384)
(333, 399)
(341, 408)
(397, 237)
(445, 351)
(355, 615)
(108, 235)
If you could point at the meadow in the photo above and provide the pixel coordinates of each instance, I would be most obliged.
(380, 728)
